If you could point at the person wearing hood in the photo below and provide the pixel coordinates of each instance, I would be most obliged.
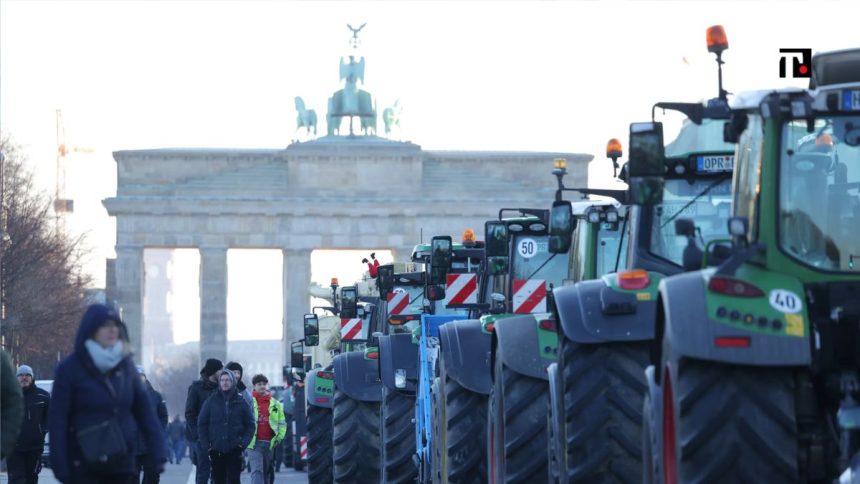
(144, 463)
(25, 462)
(243, 390)
(99, 405)
(225, 427)
(198, 392)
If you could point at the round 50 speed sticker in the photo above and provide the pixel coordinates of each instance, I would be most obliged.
(527, 247)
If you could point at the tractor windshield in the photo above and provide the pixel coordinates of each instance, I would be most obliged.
(819, 192)
(706, 201)
(703, 194)
(532, 260)
(609, 238)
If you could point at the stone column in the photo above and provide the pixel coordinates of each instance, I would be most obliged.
(129, 292)
(213, 303)
(296, 278)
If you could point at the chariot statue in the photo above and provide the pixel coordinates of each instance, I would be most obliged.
(351, 101)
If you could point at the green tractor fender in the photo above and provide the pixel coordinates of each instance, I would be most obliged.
(521, 347)
(358, 376)
(398, 352)
(466, 353)
(596, 312)
(320, 390)
(698, 323)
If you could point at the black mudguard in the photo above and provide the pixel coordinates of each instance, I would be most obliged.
(690, 332)
(517, 346)
(580, 309)
(397, 351)
(466, 353)
(358, 376)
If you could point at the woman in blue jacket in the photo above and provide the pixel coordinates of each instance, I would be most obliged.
(226, 426)
(97, 392)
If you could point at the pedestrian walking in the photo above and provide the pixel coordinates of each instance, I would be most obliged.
(11, 406)
(25, 462)
(236, 368)
(145, 465)
(271, 428)
(198, 392)
(99, 405)
(225, 427)
(176, 434)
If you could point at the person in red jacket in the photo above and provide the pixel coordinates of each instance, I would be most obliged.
(371, 266)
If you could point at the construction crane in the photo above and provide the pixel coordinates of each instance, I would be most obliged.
(63, 205)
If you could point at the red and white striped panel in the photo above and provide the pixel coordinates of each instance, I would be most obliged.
(461, 289)
(398, 302)
(529, 296)
(304, 448)
(350, 328)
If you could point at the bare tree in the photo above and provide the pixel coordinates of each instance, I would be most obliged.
(40, 271)
(172, 376)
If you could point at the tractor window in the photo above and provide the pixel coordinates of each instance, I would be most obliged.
(819, 193)
(532, 260)
(579, 263)
(748, 168)
(706, 200)
(608, 241)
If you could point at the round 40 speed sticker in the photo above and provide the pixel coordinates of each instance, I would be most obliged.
(527, 247)
(785, 301)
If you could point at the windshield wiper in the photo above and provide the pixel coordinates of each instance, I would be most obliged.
(541, 266)
(700, 195)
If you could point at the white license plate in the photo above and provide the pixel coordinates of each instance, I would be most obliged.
(709, 164)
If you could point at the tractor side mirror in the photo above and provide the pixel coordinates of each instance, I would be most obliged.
(385, 279)
(496, 247)
(348, 302)
(561, 225)
(297, 357)
(440, 259)
(312, 330)
(647, 155)
(647, 163)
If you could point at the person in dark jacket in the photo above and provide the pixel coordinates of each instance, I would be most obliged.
(11, 406)
(144, 462)
(176, 435)
(198, 392)
(24, 463)
(97, 387)
(225, 427)
(243, 390)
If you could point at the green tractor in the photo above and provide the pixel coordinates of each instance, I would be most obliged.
(607, 324)
(528, 256)
(756, 361)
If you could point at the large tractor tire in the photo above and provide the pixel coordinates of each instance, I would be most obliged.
(603, 387)
(398, 437)
(650, 455)
(437, 412)
(516, 422)
(554, 423)
(356, 440)
(728, 423)
(320, 461)
(461, 448)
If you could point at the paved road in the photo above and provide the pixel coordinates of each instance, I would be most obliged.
(184, 474)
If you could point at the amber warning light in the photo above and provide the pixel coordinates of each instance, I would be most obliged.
(717, 40)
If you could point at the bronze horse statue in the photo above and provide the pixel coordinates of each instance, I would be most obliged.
(307, 118)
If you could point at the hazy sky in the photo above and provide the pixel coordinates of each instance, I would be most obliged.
(548, 76)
